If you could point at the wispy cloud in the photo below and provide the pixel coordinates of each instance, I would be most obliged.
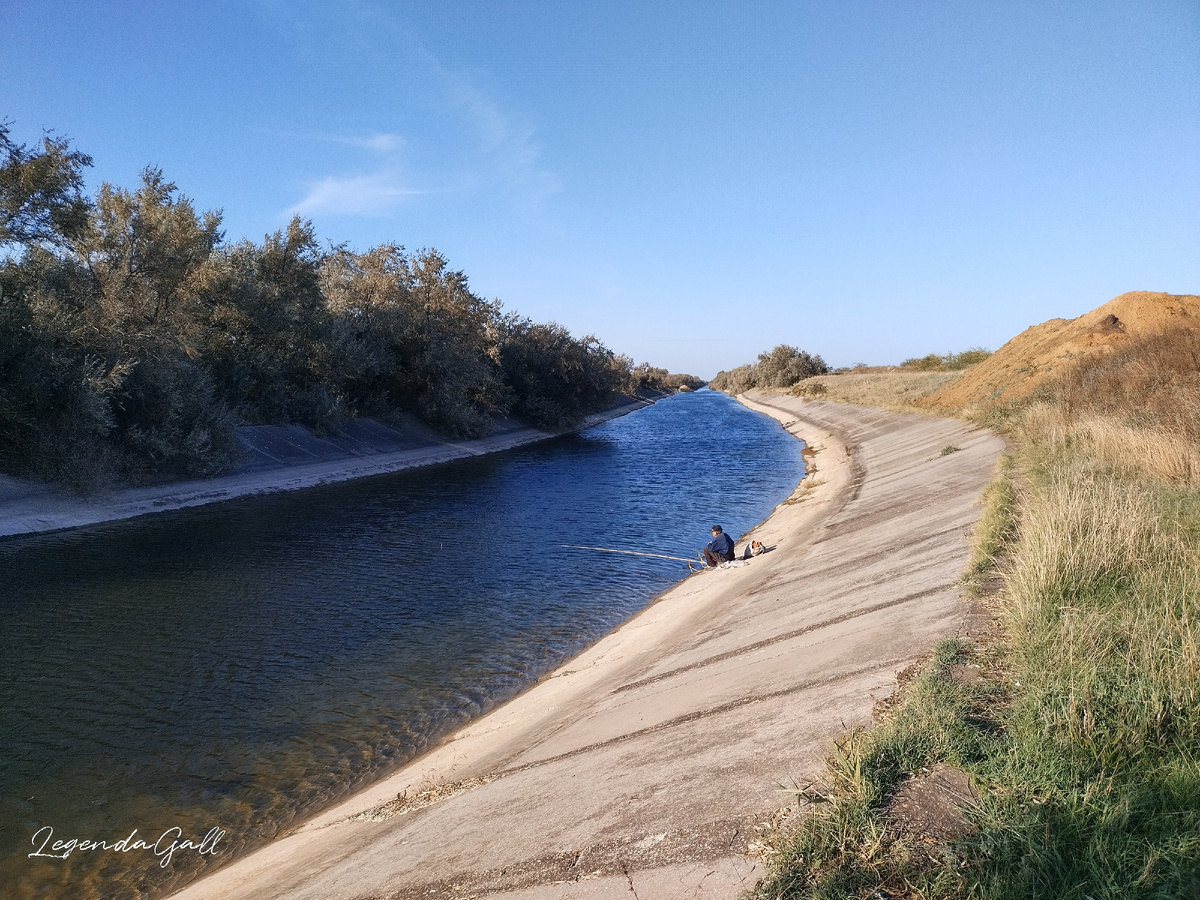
(507, 145)
(376, 194)
(473, 145)
(379, 143)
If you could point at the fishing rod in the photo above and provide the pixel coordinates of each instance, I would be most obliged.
(630, 552)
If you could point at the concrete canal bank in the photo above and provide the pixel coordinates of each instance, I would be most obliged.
(278, 458)
(644, 763)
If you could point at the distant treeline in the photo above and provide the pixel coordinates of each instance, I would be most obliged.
(133, 339)
(781, 367)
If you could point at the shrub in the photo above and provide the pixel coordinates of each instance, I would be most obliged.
(781, 367)
(950, 362)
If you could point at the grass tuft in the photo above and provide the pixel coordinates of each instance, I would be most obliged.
(847, 845)
(996, 526)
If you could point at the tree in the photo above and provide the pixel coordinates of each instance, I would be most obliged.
(785, 365)
(455, 377)
(268, 341)
(781, 367)
(132, 339)
(41, 193)
(56, 397)
(151, 257)
(374, 320)
(555, 378)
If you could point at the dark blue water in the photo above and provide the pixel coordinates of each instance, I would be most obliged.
(242, 665)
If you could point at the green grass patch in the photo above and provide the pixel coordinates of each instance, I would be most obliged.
(996, 527)
(845, 845)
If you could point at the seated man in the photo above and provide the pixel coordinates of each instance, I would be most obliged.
(719, 549)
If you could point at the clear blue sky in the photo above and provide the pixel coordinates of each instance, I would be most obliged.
(691, 182)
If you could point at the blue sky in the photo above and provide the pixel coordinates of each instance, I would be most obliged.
(693, 183)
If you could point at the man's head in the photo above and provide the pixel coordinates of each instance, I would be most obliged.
(716, 529)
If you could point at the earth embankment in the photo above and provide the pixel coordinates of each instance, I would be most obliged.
(644, 763)
(1045, 351)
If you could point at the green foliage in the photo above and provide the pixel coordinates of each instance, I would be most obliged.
(996, 527)
(41, 194)
(269, 339)
(148, 255)
(781, 367)
(950, 362)
(555, 379)
(56, 398)
(645, 377)
(456, 382)
(99, 339)
(845, 846)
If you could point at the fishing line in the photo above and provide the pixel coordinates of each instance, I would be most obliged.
(630, 552)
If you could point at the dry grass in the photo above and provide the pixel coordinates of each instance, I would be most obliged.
(1150, 380)
(1136, 410)
(1105, 597)
(894, 389)
(1131, 449)
(1036, 357)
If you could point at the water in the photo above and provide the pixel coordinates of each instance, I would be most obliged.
(243, 665)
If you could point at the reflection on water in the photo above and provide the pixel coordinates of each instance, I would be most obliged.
(240, 666)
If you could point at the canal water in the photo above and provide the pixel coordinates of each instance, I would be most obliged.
(243, 665)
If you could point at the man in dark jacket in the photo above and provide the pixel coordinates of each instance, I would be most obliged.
(719, 549)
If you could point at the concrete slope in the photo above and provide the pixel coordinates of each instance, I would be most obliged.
(645, 762)
(279, 458)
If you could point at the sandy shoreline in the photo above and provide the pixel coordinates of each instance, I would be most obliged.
(644, 763)
(29, 508)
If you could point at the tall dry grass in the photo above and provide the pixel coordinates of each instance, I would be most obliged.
(1149, 380)
(1136, 409)
(1105, 597)
(994, 529)
(1166, 453)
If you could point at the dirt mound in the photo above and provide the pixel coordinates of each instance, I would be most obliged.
(1027, 361)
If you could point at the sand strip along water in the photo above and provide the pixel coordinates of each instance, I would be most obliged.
(645, 762)
(27, 507)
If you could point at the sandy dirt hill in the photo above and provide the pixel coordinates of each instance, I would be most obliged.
(1022, 365)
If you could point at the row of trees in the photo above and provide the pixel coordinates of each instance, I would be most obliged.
(778, 368)
(646, 378)
(133, 339)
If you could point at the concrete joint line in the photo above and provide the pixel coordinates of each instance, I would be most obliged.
(437, 794)
(787, 636)
(623, 857)
(704, 714)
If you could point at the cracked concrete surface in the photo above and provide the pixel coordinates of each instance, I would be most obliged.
(642, 767)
